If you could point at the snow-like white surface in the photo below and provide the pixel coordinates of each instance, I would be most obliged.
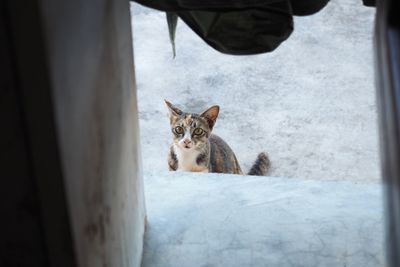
(214, 220)
(310, 104)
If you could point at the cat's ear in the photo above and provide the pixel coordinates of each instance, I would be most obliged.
(173, 111)
(211, 115)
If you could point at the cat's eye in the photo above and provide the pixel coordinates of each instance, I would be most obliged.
(178, 130)
(198, 131)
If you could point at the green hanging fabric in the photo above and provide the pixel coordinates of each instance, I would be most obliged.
(172, 20)
(236, 27)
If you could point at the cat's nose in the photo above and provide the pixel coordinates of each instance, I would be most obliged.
(187, 141)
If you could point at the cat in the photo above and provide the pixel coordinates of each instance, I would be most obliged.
(196, 149)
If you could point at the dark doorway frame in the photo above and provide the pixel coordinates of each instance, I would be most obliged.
(387, 73)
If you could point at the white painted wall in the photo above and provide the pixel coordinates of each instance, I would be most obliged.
(90, 57)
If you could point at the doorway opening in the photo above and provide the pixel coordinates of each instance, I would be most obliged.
(310, 104)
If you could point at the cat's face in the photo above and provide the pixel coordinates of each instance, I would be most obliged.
(190, 130)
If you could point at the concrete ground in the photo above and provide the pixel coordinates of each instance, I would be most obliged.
(310, 104)
(243, 221)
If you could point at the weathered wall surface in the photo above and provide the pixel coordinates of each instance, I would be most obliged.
(91, 63)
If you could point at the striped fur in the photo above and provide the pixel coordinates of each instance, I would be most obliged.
(196, 149)
(261, 165)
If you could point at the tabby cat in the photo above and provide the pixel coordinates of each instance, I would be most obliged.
(196, 149)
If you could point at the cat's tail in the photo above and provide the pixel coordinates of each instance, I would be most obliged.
(261, 165)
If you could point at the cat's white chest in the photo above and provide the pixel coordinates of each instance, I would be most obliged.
(187, 160)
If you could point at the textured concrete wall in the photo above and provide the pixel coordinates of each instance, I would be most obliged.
(210, 220)
(91, 63)
(310, 103)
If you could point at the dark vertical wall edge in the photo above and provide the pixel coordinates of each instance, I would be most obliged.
(34, 86)
(21, 242)
(388, 95)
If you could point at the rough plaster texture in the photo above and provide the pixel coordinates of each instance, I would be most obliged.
(212, 220)
(91, 63)
(310, 104)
